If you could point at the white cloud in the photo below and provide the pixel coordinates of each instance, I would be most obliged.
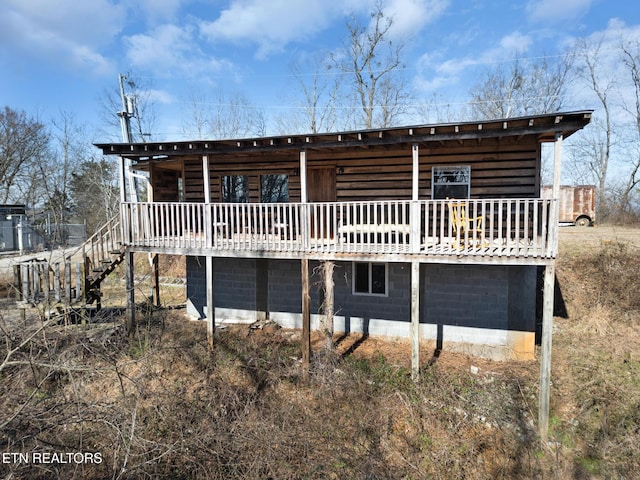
(269, 25)
(160, 10)
(165, 47)
(554, 11)
(436, 73)
(409, 16)
(272, 25)
(65, 31)
(507, 49)
(170, 50)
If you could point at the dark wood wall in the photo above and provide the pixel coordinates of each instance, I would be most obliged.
(504, 168)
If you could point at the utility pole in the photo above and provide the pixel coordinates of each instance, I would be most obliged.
(125, 115)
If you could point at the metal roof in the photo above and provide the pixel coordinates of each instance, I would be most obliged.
(543, 127)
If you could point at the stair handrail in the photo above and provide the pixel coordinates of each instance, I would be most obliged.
(103, 242)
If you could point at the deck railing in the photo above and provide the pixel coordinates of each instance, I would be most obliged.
(494, 227)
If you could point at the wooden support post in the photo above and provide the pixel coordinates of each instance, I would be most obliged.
(121, 179)
(56, 281)
(46, 282)
(415, 321)
(155, 279)
(17, 283)
(548, 299)
(211, 304)
(304, 212)
(35, 272)
(306, 317)
(415, 196)
(545, 360)
(78, 281)
(25, 282)
(130, 287)
(208, 221)
(328, 302)
(67, 280)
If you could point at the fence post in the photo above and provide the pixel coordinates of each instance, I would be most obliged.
(78, 281)
(35, 272)
(56, 281)
(67, 280)
(17, 282)
(46, 285)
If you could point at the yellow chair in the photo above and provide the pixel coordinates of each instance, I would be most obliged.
(460, 221)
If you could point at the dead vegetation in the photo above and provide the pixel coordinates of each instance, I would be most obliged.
(160, 405)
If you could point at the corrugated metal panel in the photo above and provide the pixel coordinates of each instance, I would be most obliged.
(574, 202)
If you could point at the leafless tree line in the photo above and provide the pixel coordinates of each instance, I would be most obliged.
(363, 84)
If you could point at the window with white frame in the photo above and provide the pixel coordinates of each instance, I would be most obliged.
(370, 278)
(451, 182)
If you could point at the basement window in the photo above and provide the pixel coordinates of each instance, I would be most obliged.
(370, 278)
(451, 182)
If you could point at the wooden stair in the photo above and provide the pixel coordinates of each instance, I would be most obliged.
(102, 253)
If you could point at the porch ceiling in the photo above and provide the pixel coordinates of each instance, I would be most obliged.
(543, 127)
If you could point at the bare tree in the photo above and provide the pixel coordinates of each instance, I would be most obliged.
(601, 83)
(94, 192)
(631, 60)
(229, 116)
(68, 151)
(524, 87)
(22, 140)
(316, 109)
(374, 64)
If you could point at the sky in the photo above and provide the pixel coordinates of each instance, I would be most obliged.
(63, 55)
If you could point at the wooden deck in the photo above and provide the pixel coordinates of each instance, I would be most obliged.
(516, 229)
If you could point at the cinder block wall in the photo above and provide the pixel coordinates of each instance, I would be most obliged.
(478, 296)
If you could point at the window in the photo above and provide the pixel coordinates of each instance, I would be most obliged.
(235, 189)
(369, 278)
(451, 182)
(274, 188)
(180, 189)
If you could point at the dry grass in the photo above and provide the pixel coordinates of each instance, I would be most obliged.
(160, 405)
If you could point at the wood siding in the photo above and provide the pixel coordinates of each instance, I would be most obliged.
(506, 168)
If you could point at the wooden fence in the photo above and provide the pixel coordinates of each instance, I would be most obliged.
(38, 281)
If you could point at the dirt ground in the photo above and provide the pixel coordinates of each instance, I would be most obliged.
(572, 239)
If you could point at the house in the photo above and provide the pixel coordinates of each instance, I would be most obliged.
(15, 232)
(436, 231)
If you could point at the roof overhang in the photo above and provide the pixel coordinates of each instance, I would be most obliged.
(545, 128)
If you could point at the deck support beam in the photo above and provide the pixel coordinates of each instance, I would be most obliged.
(415, 321)
(415, 196)
(548, 299)
(306, 317)
(131, 294)
(155, 278)
(545, 360)
(211, 301)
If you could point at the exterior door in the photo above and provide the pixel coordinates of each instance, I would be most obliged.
(321, 187)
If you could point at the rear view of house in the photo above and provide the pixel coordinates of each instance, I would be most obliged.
(436, 231)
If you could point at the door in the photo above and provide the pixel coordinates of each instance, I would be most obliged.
(321, 187)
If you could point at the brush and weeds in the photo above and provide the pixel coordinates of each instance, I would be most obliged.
(160, 404)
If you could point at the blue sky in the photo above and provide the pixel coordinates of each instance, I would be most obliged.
(63, 54)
